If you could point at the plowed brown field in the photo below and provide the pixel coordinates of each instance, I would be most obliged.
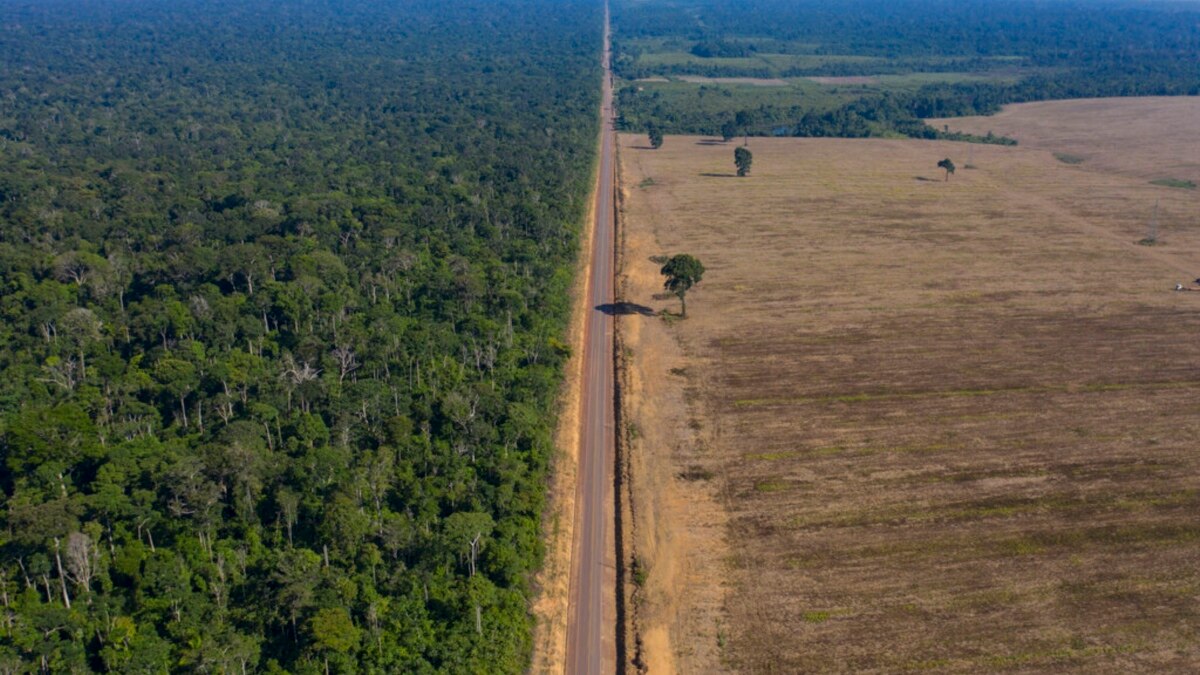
(912, 424)
(1151, 137)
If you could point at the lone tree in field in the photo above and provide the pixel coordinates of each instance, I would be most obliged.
(656, 137)
(682, 272)
(948, 166)
(742, 158)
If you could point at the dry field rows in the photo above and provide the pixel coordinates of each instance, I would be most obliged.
(912, 425)
(1150, 137)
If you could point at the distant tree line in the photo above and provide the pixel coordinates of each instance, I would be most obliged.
(885, 114)
(940, 34)
(1058, 50)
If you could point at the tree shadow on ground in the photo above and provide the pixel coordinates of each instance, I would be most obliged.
(719, 175)
(625, 308)
(711, 141)
(642, 147)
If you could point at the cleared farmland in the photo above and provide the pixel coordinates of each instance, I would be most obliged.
(1153, 138)
(911, 424)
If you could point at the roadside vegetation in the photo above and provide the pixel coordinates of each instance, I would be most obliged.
(282, 286)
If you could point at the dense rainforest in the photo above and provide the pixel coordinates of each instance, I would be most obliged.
(282, 285)
(1008, 51)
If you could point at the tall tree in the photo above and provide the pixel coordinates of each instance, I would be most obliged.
(682, 272)
(656, 137)
(333, 633)
(742, 159)
(947, 166)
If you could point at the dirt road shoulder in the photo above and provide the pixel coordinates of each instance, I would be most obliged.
(676, 524)
(554, 581)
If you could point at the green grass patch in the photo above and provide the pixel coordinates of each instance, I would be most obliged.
(1019, 546)
(917, 80)
(1068, 158)
(1174, 183)
(668, 59)
(770, 486)
(781, 62)
(816, 617)
(638, 573)
(673, 61)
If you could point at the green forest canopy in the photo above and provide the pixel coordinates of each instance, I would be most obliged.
(281, 285)
(1006, 51)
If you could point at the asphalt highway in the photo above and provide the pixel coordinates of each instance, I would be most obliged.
(591, 623)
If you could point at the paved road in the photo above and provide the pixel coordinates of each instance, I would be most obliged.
(591, 622)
